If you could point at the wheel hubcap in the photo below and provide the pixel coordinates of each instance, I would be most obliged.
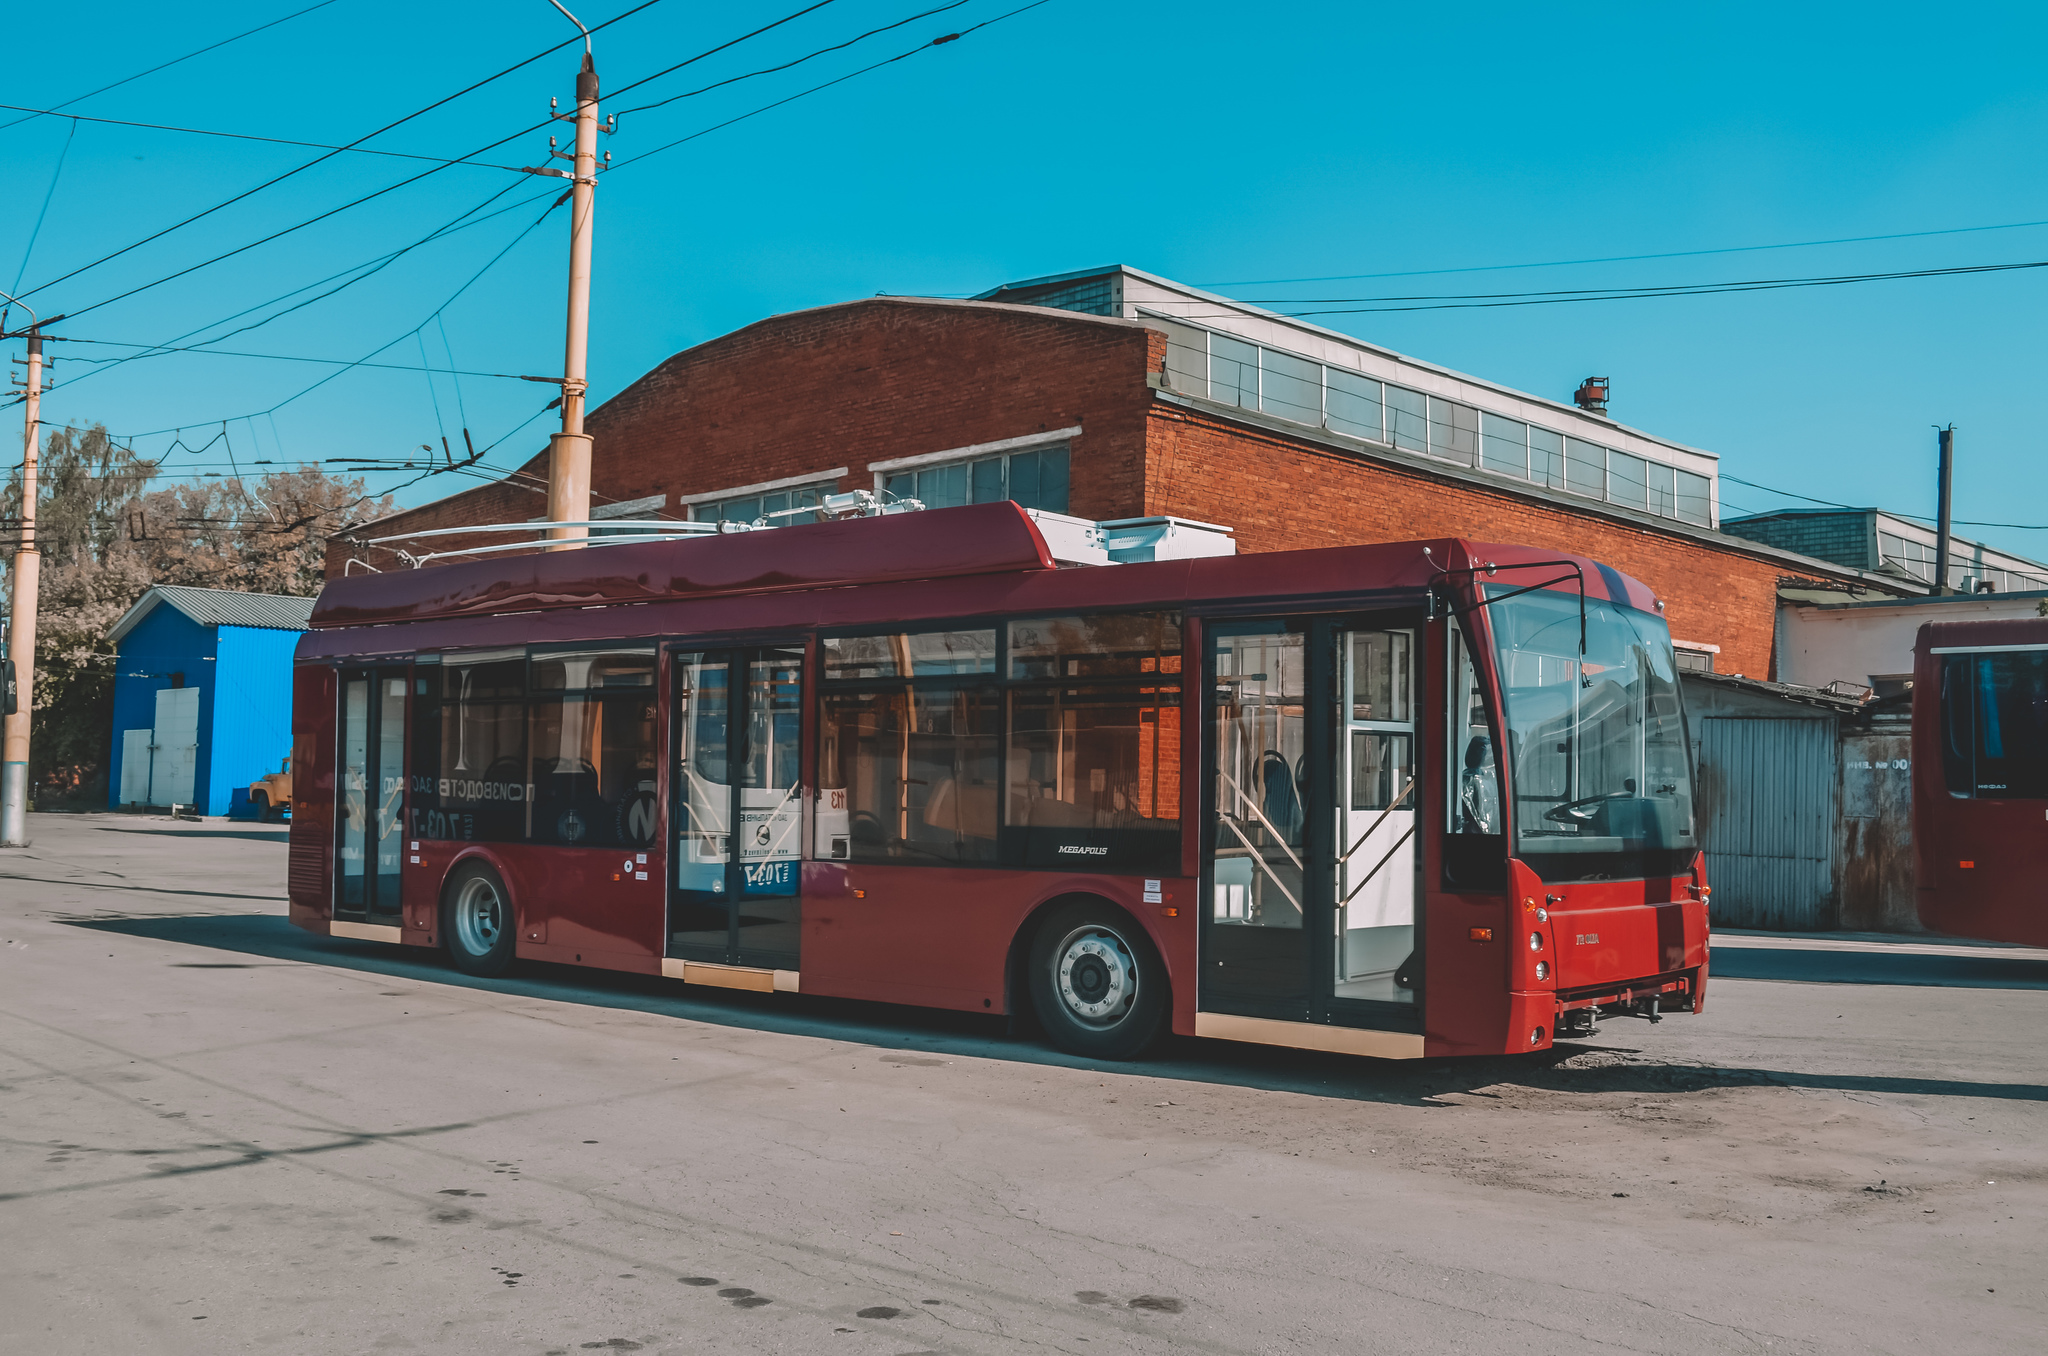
(1097, 976)
(479, 917)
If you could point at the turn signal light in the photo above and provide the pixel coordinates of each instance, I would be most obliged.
(1967, 866)
(1480, 934)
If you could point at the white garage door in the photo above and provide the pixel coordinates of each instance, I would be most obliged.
(176, 765)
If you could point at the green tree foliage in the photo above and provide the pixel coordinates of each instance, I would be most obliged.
(107, 532)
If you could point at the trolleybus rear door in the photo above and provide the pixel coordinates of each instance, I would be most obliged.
(737, 811)
(1310, 843)
(370, 807)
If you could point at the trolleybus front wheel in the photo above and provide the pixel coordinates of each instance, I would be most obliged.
(477, 925)
(1096, 982)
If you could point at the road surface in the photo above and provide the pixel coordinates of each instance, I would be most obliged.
(221, 1134)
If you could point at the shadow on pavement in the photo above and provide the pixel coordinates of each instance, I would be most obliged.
(1565, 1069)
(1989, 971)
(281, 834)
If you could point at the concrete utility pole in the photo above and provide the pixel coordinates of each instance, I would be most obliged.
(569, 450)
(1944, 508)
(21, 630)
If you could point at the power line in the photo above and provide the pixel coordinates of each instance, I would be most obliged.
(772, 70)
(164, 66)
(939, 41)
(48, 194)
(274, 141)
(1629, 258)
(1865, 508)
(367, 269)
(317, 160)
(1664, 289)
(283, 358)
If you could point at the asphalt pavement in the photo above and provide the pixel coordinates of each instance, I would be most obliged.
(219, 1133)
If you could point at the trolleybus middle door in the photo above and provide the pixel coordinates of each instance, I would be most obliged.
(737, 808)
(1310, 848)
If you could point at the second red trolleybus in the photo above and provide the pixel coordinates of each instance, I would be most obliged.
(1416, 799)
(1980, 778)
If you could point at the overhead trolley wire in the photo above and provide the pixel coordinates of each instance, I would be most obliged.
(166, 65)
(1628, 258)
(274, 141)
(771, 70)
(939, 41)
(1917, 517)
(317, 160)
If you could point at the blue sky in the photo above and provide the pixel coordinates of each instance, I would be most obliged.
(1218, 144)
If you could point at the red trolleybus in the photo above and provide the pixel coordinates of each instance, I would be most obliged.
(1399, 800)
(1980, 778)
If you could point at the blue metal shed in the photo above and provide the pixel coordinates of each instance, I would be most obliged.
(202, 694)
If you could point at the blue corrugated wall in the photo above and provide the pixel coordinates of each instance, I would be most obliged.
(251, 719)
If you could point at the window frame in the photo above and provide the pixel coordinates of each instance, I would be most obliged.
(1001, 682)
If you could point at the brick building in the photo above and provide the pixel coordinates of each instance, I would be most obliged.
(1115, 394)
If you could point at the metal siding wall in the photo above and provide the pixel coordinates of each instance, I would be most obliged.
(252, 714)
(1769, 821)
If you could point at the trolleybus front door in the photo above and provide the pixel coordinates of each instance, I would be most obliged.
(370, 806)
(1310, 842)
(737, 811)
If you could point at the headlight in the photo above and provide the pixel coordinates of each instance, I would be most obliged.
(1543, 969)
(1535, 941)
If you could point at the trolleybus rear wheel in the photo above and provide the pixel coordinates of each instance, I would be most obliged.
(1096, 982)
(477, 925)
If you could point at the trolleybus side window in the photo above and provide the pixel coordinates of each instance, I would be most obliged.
(1093, 766)
(909, 757)
(562, 755)
(1069, 754)
(1474, 849)
(1994, 722)
(593, 767)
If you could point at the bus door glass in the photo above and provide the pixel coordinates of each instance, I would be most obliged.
(1255, 949)
(1310, 859)
(737, 807)
(370, 809)
(1376, 818)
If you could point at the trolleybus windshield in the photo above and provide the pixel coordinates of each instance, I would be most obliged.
(1598, 768)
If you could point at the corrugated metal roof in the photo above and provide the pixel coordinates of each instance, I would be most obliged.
(220, 607)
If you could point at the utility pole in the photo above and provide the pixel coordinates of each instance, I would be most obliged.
(569, 450)
(1944, 508)
(21, 630)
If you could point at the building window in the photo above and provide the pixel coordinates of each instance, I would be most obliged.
(1354, 406)
(1504, 445)
(1290, 387)
(1585, 468)
(1035, 480)
(1663, 489)
(1407, 419)
(1626, 481)
(1233, 371)
(1695, 499)
(1546, 457)
(774, 509)
(1693, 661)
(1453, 431)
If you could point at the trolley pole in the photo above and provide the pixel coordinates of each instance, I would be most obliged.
(569, 450)
(21, 631)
